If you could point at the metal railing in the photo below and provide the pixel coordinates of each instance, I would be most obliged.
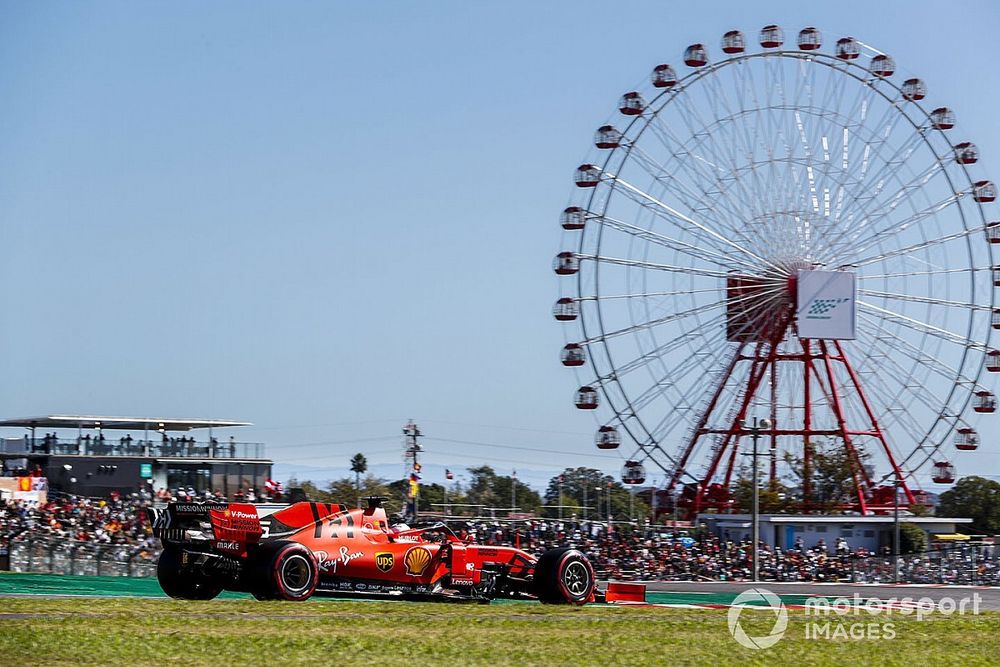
(48, 556)
(967, 564)
(172, 447)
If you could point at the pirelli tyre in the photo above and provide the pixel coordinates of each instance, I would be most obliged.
(285, 571)
(564, 576)
(183, 584)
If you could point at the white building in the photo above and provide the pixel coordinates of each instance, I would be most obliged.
(868, 532)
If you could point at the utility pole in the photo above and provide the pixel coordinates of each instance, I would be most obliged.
(560, 497)
(755, 431)
(513, 491)
(895, 520)
(585, 500)
(412, 434)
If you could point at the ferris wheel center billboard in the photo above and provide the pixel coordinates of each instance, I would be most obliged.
(826, 304)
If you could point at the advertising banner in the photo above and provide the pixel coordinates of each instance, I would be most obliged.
(826, 305)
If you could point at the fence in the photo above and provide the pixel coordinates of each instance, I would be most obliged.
(66, 557)
(967, 564)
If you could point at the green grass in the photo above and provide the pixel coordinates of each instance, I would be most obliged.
(242, 633)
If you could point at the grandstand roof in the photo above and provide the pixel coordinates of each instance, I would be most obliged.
(120, 423)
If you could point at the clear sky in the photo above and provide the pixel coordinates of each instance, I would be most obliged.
(328, 217)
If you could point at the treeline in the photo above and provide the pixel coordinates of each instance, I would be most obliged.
(579, 492)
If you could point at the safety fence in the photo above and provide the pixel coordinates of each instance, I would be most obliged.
(969, 564)
(48, 556)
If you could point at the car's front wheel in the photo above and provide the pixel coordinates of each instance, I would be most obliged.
(564, 576)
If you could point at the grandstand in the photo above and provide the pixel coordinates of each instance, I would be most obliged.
(96, 455)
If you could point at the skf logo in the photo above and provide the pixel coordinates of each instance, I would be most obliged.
(384, 560)
(819, 308)
(416, 560)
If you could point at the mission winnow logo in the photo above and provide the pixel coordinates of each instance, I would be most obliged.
(819, 308)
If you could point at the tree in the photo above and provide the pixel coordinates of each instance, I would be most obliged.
(911, 538)
(359, 465)
(976, 498)
(344, 489)
(832, 471)
(579, 484)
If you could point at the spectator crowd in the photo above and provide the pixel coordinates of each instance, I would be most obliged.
(653, 553)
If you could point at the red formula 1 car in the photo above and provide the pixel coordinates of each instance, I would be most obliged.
(326, 549)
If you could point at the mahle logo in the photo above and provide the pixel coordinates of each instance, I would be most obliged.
(819, 308)
(762, 599)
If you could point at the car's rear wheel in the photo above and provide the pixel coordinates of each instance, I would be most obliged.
(564, 576)
(286, 571)
(181, 584)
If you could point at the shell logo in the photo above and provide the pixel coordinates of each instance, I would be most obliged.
(416, 561)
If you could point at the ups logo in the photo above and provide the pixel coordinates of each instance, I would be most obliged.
(384, 560)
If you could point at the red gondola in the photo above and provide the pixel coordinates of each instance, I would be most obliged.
(984, 192)
(810, 39)
(985, 401)
(943, 473)
(607, 137)
(587, 176)
(695, 56)
(914, 90)
(566, 310)
(572, 355)
(771, 37)
(966, 439)
(664, 76)
(586, 398)
(573, 218)
(631, 104)
(565, 264)
(633, 472)
(993, 232)
(996, 318)
(883, 66)
(848, 48)
(607, 438)
(943, 118)
(996, 276)
(993, 361)
(966, 153)
(733, 42)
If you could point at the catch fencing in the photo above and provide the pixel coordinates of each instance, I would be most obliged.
(47, 556)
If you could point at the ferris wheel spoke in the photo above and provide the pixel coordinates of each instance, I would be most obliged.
(624, 368)
(652, 266)
(673, 317)
(908, 274)
(920, 356)
(646, 295)
(882, 233)
(715, 258)
(916, 324)
(912, 248)
(924, 299)
(686, 157)
(680, 217)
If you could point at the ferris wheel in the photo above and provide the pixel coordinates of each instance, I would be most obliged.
(788, 232)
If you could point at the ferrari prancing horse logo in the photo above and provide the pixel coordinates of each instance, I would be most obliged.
(384, 560)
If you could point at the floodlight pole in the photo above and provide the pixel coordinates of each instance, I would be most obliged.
(755, 430)
(895, 521)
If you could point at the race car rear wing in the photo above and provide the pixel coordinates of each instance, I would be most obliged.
(226, 526)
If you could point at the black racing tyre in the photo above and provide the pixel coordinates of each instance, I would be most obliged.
(564, 576)
(285, 571)
(180, 584)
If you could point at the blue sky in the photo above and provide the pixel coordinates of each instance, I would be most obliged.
(327, 218)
